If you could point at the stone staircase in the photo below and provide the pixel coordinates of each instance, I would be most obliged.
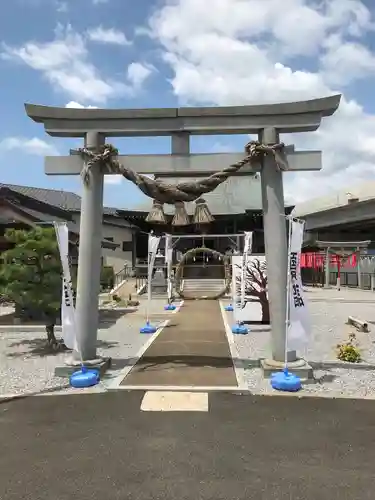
(125, 288)
(202, 287)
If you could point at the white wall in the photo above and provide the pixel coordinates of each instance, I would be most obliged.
(115, 258)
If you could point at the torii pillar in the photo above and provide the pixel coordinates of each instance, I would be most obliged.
(268, 121)
(89, 258)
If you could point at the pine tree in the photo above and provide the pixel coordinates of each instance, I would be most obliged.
(31, 276)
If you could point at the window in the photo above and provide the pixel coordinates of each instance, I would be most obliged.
(127, 246)
(109, 239)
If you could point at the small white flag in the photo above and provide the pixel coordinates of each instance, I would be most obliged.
(153, 245)
(168, 261)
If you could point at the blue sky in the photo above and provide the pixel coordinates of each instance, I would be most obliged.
(144, 53)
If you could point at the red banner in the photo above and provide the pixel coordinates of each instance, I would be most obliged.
(315, 260)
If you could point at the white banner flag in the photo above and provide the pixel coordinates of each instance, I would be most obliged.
(299, 325)
(153, 245)
(248, 248)
(168, 248)
(68, 323)
(168, 261)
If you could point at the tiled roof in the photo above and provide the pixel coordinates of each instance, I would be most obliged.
(43, 217)
(57, 198)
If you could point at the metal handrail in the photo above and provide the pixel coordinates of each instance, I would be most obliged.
(122, 275)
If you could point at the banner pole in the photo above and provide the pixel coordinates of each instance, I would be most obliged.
(148, 288)
(153, 244)
(295, 321)
(290, 222)
(168, 261)
(239, 302)
(68, 288)
(248, 249)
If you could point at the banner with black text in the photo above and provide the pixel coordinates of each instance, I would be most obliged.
(299, 324)
(68, 323)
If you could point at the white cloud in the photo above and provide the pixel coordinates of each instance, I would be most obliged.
(138, 73)
(346, 61)
(113, 179)
(98, 2)
(142, 31)
(66, 64)
(33, 146)
(221, 147)
(227, 52)
(109, 36)
(62, 7)
(77, 105)
(119, 179)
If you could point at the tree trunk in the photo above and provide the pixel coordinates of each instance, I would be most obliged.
(265, 309)
(50, 330)
(52, 342)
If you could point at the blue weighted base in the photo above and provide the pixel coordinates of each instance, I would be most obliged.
(229, 308)
(240, 329)
(148, 328)
(85, 377)
(285, 381)
(170, 307)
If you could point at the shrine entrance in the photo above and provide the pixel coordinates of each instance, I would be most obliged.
(203, 265)
(201, 271)
(211, 263)
(267, 155)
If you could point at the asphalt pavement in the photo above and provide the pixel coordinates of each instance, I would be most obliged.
(102, 446)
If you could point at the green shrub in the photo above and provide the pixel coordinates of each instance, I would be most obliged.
(349, 351)
(31, 276)
(107, 277)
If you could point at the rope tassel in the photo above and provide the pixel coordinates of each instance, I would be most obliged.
(202, 214)
(181, 217)
(156, 215)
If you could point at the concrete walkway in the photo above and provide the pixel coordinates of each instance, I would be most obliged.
(102, 446)
(192, 350)
(5, 310)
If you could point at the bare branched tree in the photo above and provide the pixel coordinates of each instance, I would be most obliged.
(255, 286)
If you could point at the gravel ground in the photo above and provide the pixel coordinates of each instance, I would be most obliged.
(333, 383)
(329, 311)
(23, 367)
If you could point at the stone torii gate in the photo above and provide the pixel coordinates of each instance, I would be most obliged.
(268, 121)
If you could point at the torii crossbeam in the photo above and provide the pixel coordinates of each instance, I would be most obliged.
(193, 165)
(268, 121)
